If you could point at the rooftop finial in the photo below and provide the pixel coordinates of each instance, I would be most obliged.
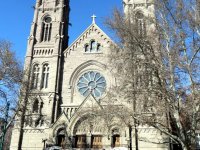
(93, 18)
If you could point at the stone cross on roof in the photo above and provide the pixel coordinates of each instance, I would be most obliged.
(93, 18)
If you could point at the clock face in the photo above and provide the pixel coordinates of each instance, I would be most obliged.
(91, 82)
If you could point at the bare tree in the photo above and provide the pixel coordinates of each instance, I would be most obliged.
(10, 80)
(157, 64)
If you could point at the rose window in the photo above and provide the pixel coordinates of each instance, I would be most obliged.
(91, 82)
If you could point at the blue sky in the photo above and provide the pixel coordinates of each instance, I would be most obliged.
(16, 17)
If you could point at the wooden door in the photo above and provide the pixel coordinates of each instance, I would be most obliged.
(96, 141)
(81, 141)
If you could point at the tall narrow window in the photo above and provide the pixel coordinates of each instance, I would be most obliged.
(92, 46)
(45, 76)
(98, 47)
(35, 76)
(140, 24)
(36, 106)
(46, 29)
(87, 48)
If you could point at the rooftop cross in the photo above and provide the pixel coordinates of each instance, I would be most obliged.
(93, 18)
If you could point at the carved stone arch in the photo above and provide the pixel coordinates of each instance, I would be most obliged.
(76, 119)
(83, 66)
(58, 128)
(82, 120)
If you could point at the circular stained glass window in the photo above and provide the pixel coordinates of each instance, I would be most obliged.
(91, 82)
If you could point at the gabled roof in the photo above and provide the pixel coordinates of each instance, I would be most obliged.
(62, 118)
(89, 102)
(92, 28)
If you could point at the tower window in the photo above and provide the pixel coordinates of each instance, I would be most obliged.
(36, 106)
(46, 29)
(140, 24)
(45, 76)
(35, 76)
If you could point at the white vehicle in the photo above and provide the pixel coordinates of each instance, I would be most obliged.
(53, 148)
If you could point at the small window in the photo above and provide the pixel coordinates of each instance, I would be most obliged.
(36, 106)
(35, 76)
(98, 47)
(92, 46)
(87, 48)
(45, 76)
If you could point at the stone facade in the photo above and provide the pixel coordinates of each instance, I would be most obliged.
(56, 110)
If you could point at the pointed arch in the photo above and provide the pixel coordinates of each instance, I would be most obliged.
(46, 28)
(45, 76)
(35, 106)
(35, 76)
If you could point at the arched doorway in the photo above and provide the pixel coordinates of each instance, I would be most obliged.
(88, 133)
(60, 138)
(115, 138)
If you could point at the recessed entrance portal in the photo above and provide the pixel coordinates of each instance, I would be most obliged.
(116, 140)
(60, 138)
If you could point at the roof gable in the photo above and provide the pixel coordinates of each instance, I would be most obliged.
(91, 29)
(89, 103)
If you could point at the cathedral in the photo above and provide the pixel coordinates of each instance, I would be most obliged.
(68, 81)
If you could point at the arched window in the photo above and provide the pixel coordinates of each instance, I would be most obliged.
(35, 76)
(87, 48)
(140, 24)
(46, 29)
(36, 106)
(98, 47)
(92, 46)
(45, 76)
